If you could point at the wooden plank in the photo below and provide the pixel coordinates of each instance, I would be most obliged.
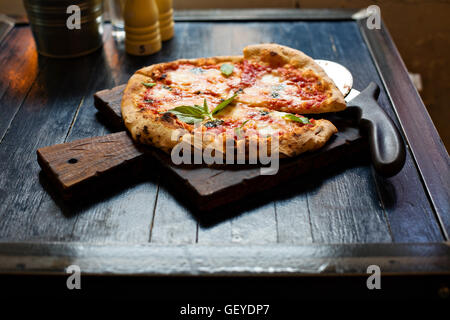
(338, 212)
(19, 61)
(46, 118)
(252, 222)
(403, 196)
(120, 210)
(43, 119)
(421, 227)
(76, 164)
(292, 210)
(405, 188)
(418, 128)
(293, 213)
(172, 222)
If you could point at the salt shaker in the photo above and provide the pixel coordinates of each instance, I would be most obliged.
(142, 36)
(166, 24)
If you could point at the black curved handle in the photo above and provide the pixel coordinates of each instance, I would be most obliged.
(386, 144)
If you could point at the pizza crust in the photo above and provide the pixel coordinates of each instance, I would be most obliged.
(145, 127)
(152, 71)
(312, 139)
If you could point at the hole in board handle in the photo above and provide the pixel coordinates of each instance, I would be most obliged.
(72, 161)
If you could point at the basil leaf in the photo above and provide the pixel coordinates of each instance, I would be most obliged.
(149, 84)
(239, 129)
(226, 69)
(224, 104)
(187, 118)
(243, 123)
(188, 110)
(303, 120)
(188, 114)
(196, 113)
(205, 107)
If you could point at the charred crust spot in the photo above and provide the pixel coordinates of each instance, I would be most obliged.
(163, 76)
(145, 129)
(213, 123)
(167, 116)
(273, 53)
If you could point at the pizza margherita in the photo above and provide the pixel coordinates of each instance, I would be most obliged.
(259, 95)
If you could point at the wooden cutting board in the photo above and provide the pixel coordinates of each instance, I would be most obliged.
(79, 167)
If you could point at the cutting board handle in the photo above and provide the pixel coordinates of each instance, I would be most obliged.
(386, 144)
(72, 165)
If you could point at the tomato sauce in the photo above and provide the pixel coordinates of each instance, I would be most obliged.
(308, 88)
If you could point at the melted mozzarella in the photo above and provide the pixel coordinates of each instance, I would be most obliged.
(194, 79)
(270, 79)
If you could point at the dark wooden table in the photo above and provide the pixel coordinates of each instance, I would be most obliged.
(337, 222)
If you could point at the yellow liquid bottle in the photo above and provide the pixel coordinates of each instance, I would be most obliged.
(142, 35)
(166, 24)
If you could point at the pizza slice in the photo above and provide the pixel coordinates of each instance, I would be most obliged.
(257, 96)
(286, 79)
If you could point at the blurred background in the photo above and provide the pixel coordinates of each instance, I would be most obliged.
(420, 28)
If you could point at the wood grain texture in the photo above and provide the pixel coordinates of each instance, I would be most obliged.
(172, 222)
(20, 65)
(341, 215)
(119, 209)
(110, 234)
(75, 164)
(375, 209)
(396, 194)
(43, 119)
(426, 147)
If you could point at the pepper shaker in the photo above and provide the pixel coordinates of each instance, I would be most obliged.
(166, 24)
(142, 36)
